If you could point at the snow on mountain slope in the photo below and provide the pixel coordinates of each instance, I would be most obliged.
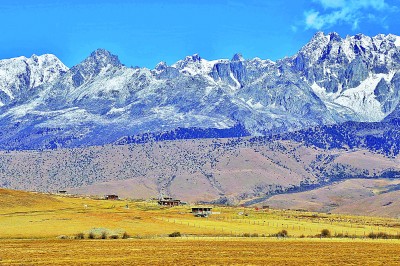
(100, 101)
(18, 75)
(330, 80)
(397, 41)
(359, 102)
(353, 76)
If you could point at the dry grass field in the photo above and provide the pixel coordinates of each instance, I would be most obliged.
(209, 251)
(42, 229)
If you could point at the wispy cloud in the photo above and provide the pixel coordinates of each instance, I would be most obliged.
(350, 12)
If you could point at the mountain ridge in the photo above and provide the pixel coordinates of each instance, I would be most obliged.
(329, 81)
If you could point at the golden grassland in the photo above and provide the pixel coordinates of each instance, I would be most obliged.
(31, 223)
(206, 251)
(33, 215)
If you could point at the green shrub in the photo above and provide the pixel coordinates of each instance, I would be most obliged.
(91, 235)
(103, 235)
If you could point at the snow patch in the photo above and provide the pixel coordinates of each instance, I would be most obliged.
(359, 100)
(256, 105)
(397, 41)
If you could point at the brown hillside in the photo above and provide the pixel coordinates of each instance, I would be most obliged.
(354, 196)
(191, 170)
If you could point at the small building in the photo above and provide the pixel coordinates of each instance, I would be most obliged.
(202, 211)
(169, 202)
(111, 197)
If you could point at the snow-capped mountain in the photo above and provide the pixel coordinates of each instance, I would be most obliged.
(330, 80)
(21, 74)
(356, 77)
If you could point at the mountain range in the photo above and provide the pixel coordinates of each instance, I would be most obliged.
(317, 130)
(331, 80)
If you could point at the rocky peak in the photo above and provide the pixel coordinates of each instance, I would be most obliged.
(237, 57)
(193, 65)
(104, 58)
(92, 66)
(317, 37)
(161, 66)
(193, 58)
(334, 36)
(359, 36)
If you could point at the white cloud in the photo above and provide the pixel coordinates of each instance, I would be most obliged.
(332, 3)
(349, 12)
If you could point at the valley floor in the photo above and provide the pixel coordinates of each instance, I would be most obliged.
(207, 251)
(45, 229)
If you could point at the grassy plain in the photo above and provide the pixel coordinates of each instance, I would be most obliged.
(203, 251)
(31, 224)
(30, 215)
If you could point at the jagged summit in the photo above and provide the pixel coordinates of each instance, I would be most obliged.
(190, 59)
(334, 36)
(97, 61)
(194, 58)
(104, 57)
(318, 35)
(237, 57)
(161, 66)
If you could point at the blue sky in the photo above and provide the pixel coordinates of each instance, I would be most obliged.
(143, 33)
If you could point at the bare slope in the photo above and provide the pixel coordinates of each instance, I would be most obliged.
(227, 169)
(356, 196)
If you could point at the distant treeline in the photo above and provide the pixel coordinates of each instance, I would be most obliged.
(187, 133)
(381, 137)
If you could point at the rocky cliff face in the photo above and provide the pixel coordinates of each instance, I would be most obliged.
(354, 76)
(330, 80)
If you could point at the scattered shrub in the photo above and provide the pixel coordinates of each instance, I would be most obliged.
(175, 234)
(381, 235)
(302, 236)
(282, 233)
(80, 236)
(91, 235)
(103, 235)
(125, 235)
(254, 235)
(246, 235)
(325, 233)
(114, 236)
